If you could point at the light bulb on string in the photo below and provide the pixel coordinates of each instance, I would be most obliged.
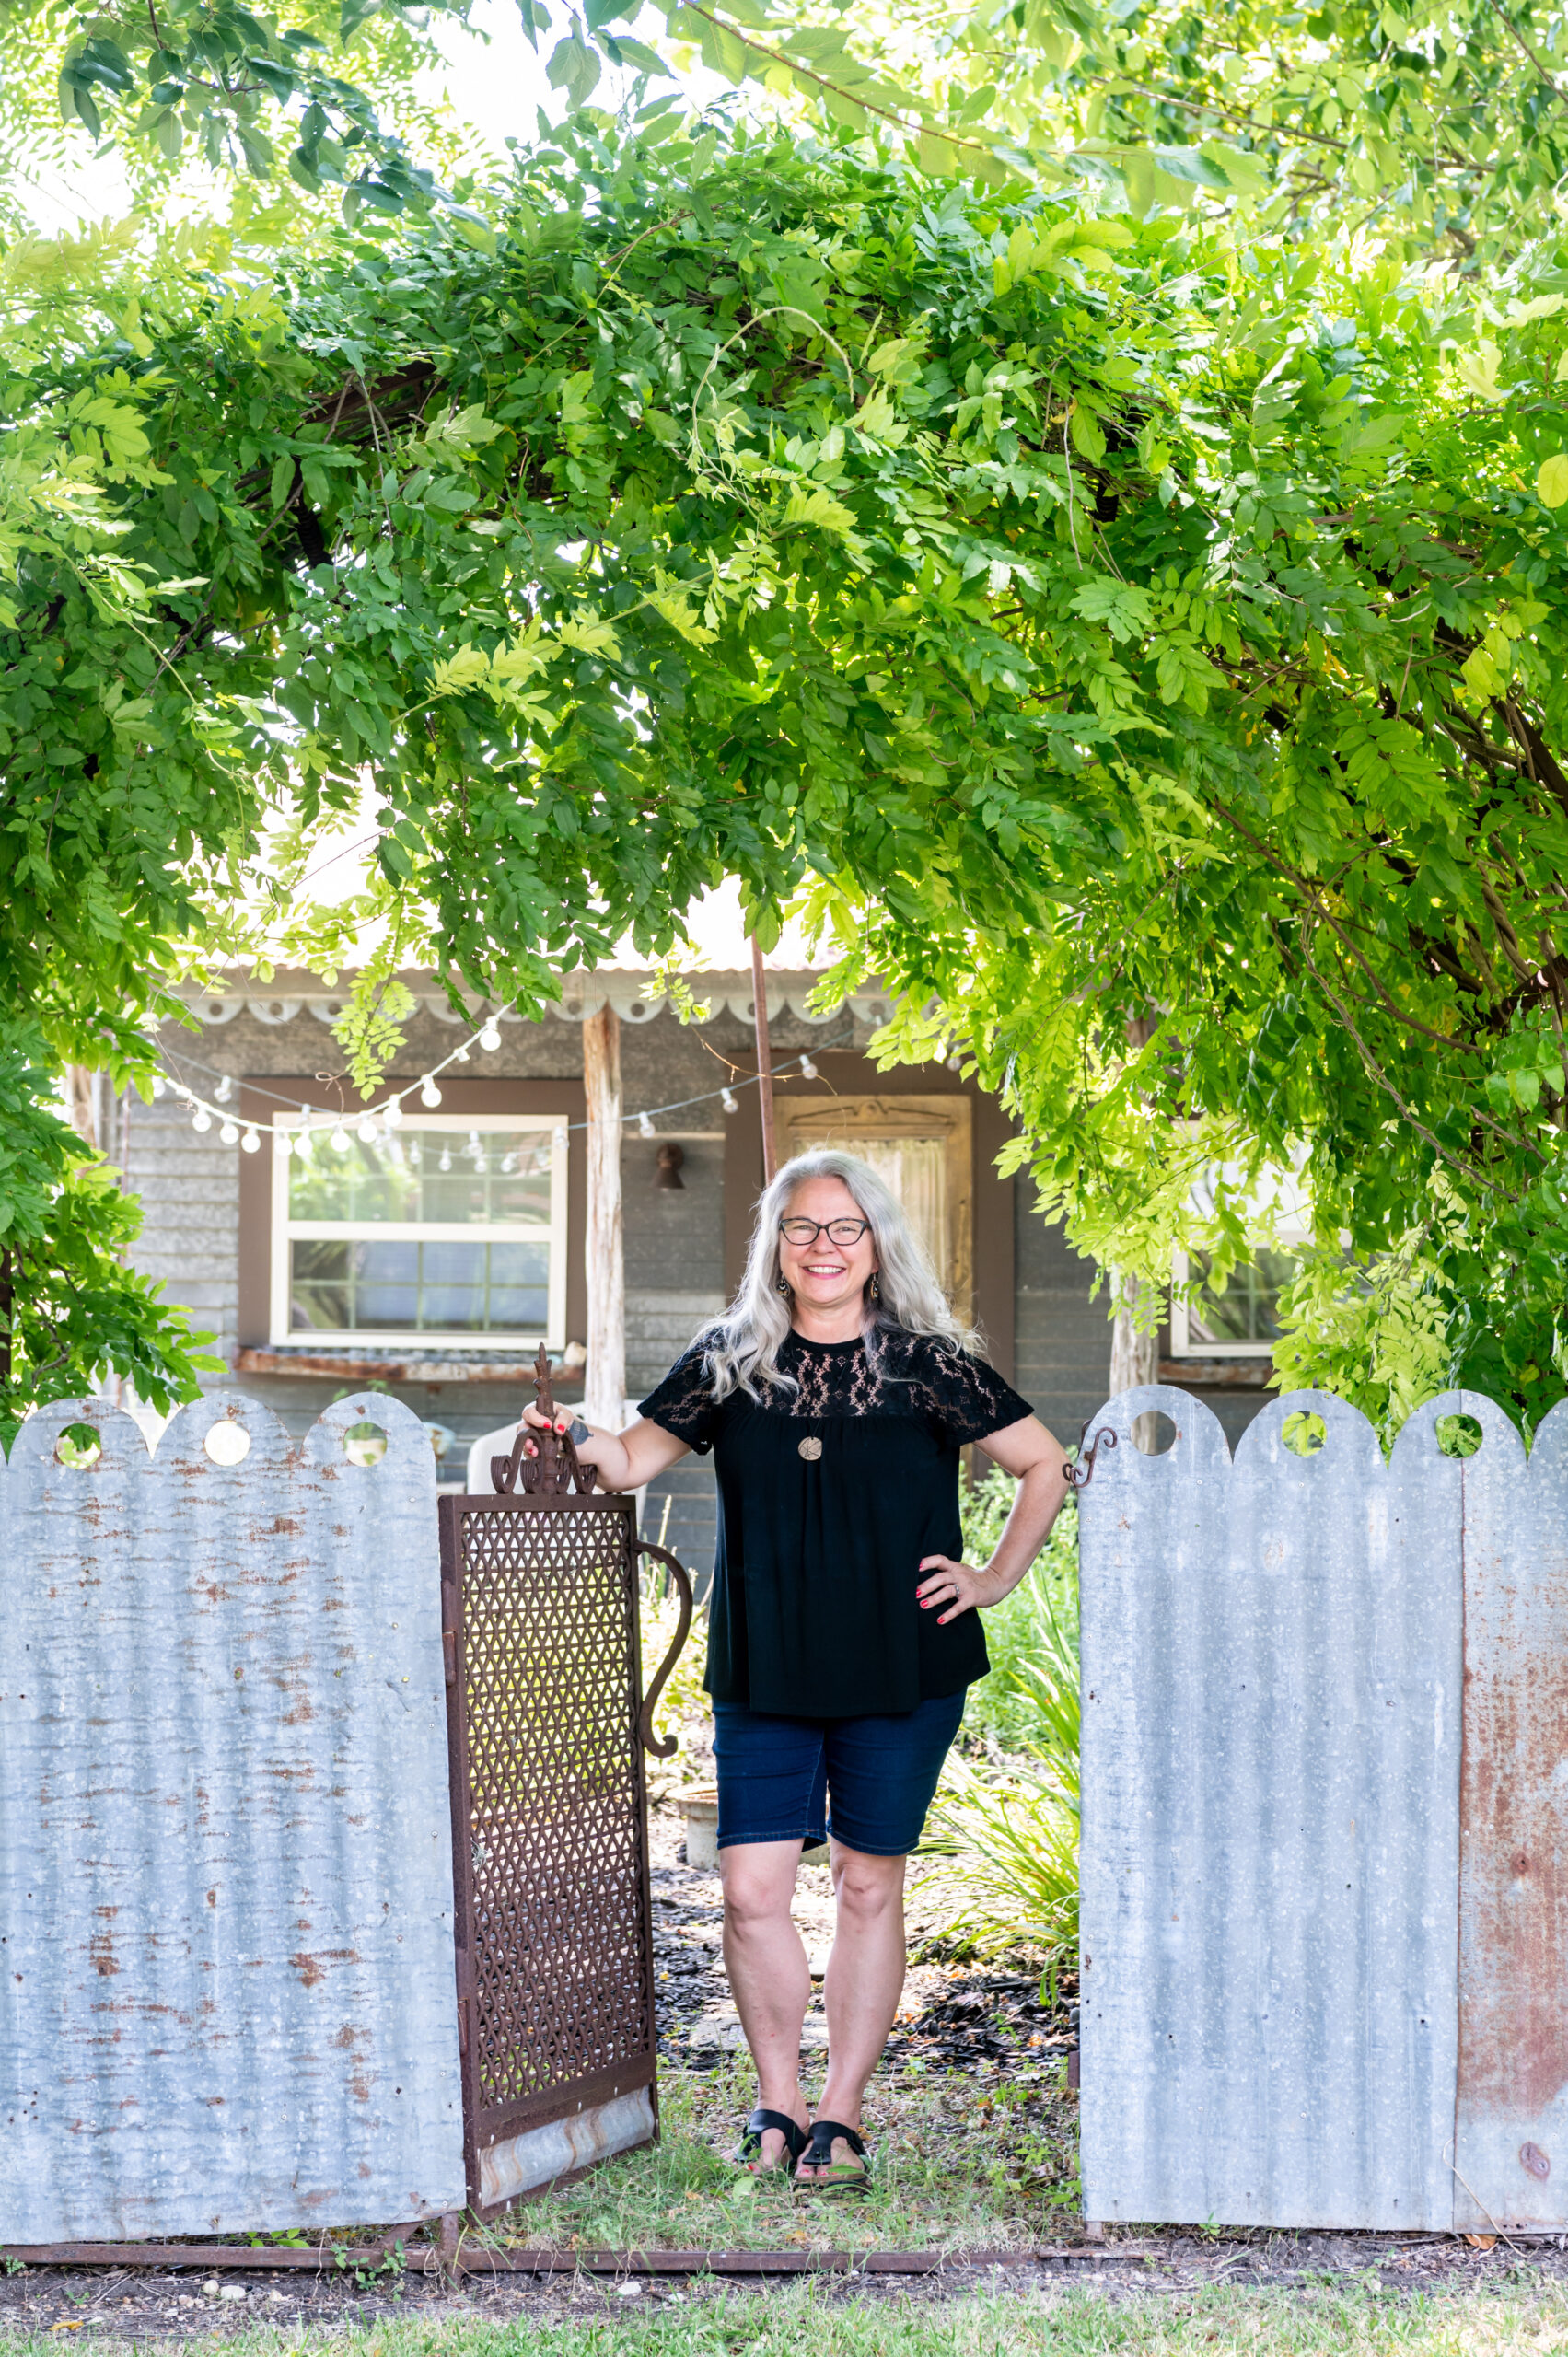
(229, 1134)
(728, 1100)
(159, 1085)
(340, 1139)
(428, 1092)
(201, 1119)
(283, 1142)
(392, 1111)
(368, 1133)
(223, 1090)
(644, 1127)
(446, 1161)
(490, 1037)
(807, 1069)
(460, 1056)
(250, 1143)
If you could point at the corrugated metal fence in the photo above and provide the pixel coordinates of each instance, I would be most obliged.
(225, 1876)
(1325, 1889)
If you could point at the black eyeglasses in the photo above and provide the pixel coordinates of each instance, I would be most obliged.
(844, 1231)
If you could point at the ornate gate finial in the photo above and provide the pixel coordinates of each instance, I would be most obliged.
(557, 1467)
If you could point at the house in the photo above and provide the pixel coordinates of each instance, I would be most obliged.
(431, 1259)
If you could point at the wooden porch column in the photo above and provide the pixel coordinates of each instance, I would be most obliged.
(604, 1388)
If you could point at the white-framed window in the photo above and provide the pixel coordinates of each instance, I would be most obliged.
(449, 1228)
(1242, 1321)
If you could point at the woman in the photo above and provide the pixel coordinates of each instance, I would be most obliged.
(835, 1395)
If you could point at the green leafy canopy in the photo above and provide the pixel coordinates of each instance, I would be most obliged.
(1119, 634)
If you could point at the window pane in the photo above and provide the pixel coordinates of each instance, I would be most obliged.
(1248, 1310)
(383, 1285)
(411, 1176)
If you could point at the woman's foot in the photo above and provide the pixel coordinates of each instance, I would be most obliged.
(772, 2142)
(835, 2161)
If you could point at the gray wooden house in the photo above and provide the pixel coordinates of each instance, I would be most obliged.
(433, 1260)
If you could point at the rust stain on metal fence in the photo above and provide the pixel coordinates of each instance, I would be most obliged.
(225, 1895)
(1512, 2113)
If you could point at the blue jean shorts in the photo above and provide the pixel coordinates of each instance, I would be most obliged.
(777, 1775)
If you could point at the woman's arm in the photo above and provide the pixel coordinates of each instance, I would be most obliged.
(625, 1461)
(1028, 1450)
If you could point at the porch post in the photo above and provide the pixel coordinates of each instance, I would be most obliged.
(604, 1391)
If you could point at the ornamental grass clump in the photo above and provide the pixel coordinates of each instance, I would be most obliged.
(1007, 1812)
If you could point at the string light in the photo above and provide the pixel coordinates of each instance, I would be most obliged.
(296, 1138)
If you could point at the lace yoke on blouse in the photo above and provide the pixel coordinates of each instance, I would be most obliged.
(912, 1376)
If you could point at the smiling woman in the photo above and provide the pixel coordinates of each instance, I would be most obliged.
(835, 1396)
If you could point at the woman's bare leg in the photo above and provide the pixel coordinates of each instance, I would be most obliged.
(865, 1979)
(766, 1960)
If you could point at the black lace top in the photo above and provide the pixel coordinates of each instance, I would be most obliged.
(829, 1497)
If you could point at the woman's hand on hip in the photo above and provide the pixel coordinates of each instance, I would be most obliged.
(958, 1586)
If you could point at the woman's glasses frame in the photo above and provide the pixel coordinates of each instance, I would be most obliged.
(803, 1233)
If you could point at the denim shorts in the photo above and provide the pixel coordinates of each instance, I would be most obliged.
(777, 1775)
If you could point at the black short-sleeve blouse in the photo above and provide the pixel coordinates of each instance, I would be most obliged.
(829, 1495)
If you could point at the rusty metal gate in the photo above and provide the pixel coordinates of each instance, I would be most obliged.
(555, 1985)
(1325, 1856)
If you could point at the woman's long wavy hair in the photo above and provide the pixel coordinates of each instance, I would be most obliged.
(743, 1348)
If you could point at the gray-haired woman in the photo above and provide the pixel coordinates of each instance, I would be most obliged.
(835, 1395)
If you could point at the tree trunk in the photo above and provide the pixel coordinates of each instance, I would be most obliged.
(81, 1093)
(1135, 1357)
(604, 1390)
(764, 1059)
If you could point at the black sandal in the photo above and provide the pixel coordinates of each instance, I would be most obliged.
(748, 2154)
(837, 2177)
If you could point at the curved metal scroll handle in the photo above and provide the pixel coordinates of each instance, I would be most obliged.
(1079, 1472)
(645, 1715)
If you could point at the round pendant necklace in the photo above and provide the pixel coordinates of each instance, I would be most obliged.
(810, 1448)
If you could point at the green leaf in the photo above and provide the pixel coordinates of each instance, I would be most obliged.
(1551, 479)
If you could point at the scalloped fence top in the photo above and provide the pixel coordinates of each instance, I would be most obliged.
(1325, 1834)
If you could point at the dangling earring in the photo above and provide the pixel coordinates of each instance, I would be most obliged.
(783, 1286)
(876, 1286)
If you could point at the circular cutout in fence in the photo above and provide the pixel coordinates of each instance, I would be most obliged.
(78, 1447)
(1459, 1435)
(1303, 1434)
(365, 1442)
(227, 1444)
(1154, 1434)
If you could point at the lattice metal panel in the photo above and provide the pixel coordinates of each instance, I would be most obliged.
(555, 1963)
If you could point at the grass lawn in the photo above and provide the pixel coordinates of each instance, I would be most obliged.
(706, 2321)
(969, 2162)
